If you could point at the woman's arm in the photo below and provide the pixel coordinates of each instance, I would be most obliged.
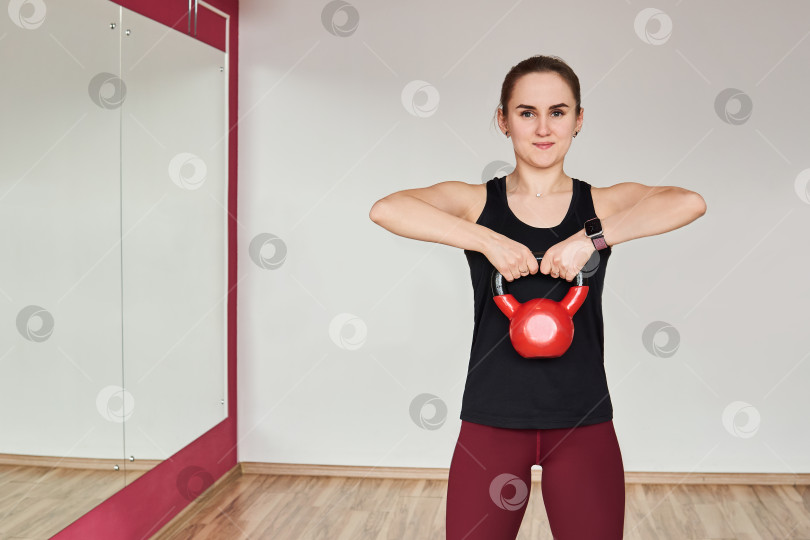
(640, 211)
(443, 213)
(434, 214)
(626, 211)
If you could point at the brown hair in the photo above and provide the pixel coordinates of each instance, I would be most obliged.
(537, 64)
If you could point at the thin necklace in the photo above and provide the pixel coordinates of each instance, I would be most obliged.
(539, 194)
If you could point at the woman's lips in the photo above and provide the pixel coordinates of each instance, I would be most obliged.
(543, 146)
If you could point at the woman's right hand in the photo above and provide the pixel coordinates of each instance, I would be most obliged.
(512, 259)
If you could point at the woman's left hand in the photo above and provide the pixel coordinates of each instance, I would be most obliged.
(565, 259)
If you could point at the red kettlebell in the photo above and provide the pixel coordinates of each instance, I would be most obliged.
(540, 328)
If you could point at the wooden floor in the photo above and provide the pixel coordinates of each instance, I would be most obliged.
(37, 502)
(253, 506)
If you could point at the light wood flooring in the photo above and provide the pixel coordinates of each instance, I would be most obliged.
(282, 507)
(37, 502)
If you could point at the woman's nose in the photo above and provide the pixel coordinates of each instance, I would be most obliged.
(543, 126)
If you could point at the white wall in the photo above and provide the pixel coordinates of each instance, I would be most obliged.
(324, 133)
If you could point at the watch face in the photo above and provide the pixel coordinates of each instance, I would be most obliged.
(593, 226)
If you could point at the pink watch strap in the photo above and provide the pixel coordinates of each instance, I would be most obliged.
(599, 242)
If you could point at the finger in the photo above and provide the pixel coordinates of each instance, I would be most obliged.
(505, 274)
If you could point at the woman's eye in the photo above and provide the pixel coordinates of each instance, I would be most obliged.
(561, 113)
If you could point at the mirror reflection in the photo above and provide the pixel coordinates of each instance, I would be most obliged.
(113, 198)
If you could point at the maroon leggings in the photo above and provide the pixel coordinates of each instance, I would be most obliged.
(490, 481)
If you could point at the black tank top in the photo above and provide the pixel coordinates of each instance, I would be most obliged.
(503, 389)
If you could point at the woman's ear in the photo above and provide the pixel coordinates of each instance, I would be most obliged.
(501, 121)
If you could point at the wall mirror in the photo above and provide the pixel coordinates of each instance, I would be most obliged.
(113, 287)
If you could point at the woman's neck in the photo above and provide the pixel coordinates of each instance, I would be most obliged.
(537, 185)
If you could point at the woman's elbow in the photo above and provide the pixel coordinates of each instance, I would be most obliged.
(377, 211)
(700, 202)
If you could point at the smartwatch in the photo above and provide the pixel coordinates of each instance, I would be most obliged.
(593, 230)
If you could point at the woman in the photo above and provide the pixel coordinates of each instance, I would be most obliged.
(553, 412)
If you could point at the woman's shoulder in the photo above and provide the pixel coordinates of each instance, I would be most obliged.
(461, 199)
(479, 201)
(601, 197)
(613, 199)
(473, 196)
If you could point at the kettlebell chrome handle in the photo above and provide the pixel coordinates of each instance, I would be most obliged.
(497, 281)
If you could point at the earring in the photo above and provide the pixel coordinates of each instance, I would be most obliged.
(575, 133)
(507, 133)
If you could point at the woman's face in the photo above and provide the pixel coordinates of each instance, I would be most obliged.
(542, 109)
